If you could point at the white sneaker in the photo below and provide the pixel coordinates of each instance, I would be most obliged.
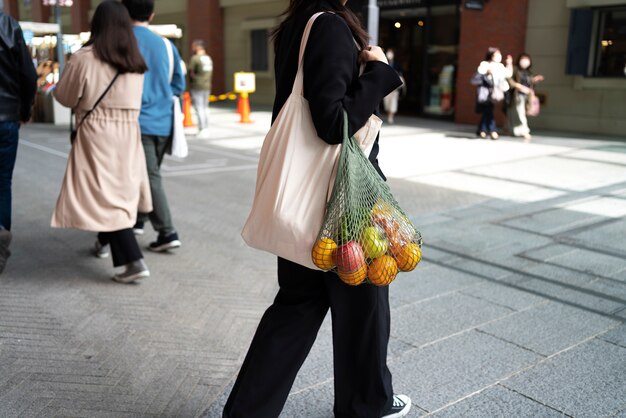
(101, 251)
(400, 407)
(133, 271)
(203, 134)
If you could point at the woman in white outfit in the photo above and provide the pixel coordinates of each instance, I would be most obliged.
(491, 81)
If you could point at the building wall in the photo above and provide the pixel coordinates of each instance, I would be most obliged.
(501, 24)
(206, 22)
(574, 103)
(240, 16)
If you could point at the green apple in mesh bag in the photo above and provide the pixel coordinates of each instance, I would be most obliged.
(373, 242)
(353, 222)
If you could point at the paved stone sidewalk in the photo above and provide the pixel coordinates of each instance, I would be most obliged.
(517, 310)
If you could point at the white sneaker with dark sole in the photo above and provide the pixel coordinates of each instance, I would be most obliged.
(130, 277)
(101, 251)
(165, 243)
(400, 407)
(133, 271)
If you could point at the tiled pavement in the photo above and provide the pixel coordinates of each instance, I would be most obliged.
(517, 310)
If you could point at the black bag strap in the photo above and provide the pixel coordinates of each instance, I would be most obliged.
(99, 100)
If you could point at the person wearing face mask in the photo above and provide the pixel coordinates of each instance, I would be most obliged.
(390, 102)
(491, 81)
(522, 82)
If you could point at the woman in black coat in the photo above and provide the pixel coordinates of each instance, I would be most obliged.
(360, 315)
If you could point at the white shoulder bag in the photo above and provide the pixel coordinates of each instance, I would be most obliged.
(179, 147)
(295, 177)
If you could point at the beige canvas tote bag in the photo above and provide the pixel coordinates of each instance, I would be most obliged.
(295, 177)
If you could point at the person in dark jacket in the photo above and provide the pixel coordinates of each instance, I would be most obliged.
(18, 84)
(522, 84)
(360, 315)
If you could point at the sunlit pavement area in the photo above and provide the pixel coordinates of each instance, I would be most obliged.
(517, 309)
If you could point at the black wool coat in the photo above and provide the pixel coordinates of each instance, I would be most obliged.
(331, 76)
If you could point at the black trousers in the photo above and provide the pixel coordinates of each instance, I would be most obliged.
(124, 247)
(361, 326)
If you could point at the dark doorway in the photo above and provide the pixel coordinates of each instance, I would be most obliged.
(425, 41)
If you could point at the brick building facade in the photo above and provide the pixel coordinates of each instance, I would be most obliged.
(579, 45)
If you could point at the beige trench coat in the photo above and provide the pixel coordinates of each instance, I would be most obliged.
(106, 181)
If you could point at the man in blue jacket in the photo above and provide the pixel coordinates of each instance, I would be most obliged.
(18, 84)
(163, 80)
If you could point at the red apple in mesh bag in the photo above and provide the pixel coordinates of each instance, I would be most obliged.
(349, 257)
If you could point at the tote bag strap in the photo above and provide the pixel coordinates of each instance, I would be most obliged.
(298, 84)
(170, 58)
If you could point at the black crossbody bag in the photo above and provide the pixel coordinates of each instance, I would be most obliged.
(74, 132)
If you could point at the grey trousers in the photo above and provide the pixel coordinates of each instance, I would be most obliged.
(160, 217)
(516, 116)
(200, 102)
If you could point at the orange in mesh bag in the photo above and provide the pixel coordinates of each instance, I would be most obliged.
(365, 236)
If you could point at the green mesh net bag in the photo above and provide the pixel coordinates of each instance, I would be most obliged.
(365, 236)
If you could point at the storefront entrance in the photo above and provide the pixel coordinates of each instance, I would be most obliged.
(424, 35)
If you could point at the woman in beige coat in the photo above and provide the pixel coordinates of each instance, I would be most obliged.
(106, 180)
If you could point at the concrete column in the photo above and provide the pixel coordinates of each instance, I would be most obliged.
(80, 15)
(39, 12)
(373, 18)
(205, 20)
(11, 8)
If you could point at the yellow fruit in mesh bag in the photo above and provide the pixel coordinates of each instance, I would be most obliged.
(408, 257)
(354, 278)
(323, 253)
(382, 208)
(382, 271)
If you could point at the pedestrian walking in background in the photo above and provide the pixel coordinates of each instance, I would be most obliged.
(156, 117)
(491, 81)
(18, 84)
(390, 102)
(200, 74)
(522, 84)
(106, 178)
(360, 315)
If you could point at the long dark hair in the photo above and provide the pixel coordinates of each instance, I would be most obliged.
(521, 57)
(490, 53)
(113, 39)
(336, 6)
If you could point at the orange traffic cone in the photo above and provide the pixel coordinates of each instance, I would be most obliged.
(188, 119)
(245, 108)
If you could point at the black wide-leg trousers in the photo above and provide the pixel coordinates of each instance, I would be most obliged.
(124, 246)
(287, 331)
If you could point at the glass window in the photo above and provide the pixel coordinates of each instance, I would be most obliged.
(611, 44)
(259, 50)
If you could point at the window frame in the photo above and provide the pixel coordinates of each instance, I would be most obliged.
(259, 24)
(595, 56)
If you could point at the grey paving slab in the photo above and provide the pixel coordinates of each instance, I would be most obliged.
(608, 237)
(424, 322)
(427, 281)
(577, 289)
(549, 328)
(315, 402)
(616, 336)
(442, 373)
(502, 293)
(548, 252)
(497, 401)
(589, 261)
(586, 381)
(553, 221)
